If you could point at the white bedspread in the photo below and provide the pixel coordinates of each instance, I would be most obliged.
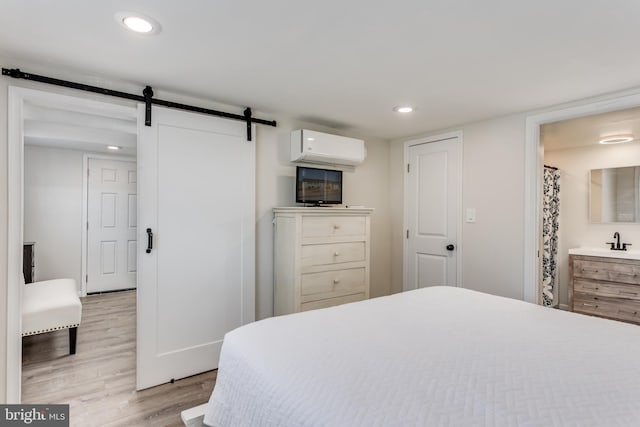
(436, 356)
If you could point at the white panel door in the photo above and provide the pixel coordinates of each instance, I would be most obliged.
(433, 214)
(196, 282)
(111, 230)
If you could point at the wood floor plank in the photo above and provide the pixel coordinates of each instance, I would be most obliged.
(98, 382)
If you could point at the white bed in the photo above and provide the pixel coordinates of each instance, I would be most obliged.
(436, 356)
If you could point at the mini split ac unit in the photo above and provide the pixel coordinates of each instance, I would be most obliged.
(316, 147)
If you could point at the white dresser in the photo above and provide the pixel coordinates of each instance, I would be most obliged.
(321, 257)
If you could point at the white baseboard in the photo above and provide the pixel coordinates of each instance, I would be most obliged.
(194, 417)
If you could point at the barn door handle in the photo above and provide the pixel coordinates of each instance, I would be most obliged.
(450, 247)
(149, 240)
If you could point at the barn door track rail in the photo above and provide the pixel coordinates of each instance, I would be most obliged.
(146, 97)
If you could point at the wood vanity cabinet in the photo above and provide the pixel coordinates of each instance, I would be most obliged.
(605, 287)
(321, 257)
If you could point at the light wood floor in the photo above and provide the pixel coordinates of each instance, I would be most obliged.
(98, 382)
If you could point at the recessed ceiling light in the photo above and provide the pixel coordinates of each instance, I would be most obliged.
(113, 147)
(403, 109)
(137, 22)
(616, 139)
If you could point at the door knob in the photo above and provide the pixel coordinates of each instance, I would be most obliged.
(450, 247)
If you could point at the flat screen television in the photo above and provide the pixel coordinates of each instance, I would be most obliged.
(318, 186)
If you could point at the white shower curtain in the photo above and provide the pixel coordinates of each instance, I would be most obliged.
(550, 213)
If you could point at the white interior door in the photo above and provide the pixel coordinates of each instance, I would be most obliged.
(111, 228)
(432, 209)
(197, 196)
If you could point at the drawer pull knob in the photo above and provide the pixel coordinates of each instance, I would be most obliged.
(336, 253)
(589, 305)
(336, 281)
(336, 226)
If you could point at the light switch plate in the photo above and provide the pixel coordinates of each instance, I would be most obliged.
(471, 214)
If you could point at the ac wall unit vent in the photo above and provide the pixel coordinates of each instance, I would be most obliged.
(317, 147)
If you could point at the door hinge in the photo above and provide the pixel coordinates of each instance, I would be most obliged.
(86, 279)
(407, 233)
(408, 167)
(87, 225)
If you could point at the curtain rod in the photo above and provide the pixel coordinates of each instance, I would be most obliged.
(146, 97)
(551, 167)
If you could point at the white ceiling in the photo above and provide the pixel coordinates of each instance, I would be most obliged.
(74, 130)
(588, 130)
(345, 64)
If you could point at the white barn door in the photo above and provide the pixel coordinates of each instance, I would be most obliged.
(196, 176)
(432, 209)
(111, 225)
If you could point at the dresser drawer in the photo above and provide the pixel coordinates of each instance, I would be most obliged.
(330, 226)
(325, 303)
(609, 271)
(607, 289)
(328, 284)
(613, 308)
(332, 253)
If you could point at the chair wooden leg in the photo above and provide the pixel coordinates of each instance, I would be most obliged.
(73, 333)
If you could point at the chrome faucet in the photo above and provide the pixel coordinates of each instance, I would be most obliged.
(615, 246)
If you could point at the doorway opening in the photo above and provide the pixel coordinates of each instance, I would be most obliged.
(598, 189)
(534, 164)
(51, 137)
(190, 163)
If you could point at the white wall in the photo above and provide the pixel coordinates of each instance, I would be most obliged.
(365, 185)
(368, 185)
(493, 183)
(575, 229)
(53, 211)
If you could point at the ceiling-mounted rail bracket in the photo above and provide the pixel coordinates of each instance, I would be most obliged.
(247, 116)
(148, 94)
(14, 72)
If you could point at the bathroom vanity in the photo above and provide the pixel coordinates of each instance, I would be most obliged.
(605, 283)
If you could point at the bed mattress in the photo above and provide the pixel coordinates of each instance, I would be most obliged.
(437, 356)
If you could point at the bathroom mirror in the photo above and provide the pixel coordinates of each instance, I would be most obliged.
(614, 194)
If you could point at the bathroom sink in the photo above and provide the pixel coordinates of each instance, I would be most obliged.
(605, 252)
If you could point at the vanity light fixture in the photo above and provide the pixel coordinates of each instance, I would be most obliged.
(138, 23)
(617, 139)
(403, 109)
(113, 147)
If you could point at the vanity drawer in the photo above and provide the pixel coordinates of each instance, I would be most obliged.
(612, 308)
(328, 284)
(332, 253)
(607, 289)
(333, 226)
(609, 271)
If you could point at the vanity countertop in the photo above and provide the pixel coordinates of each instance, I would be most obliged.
(605, 252)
